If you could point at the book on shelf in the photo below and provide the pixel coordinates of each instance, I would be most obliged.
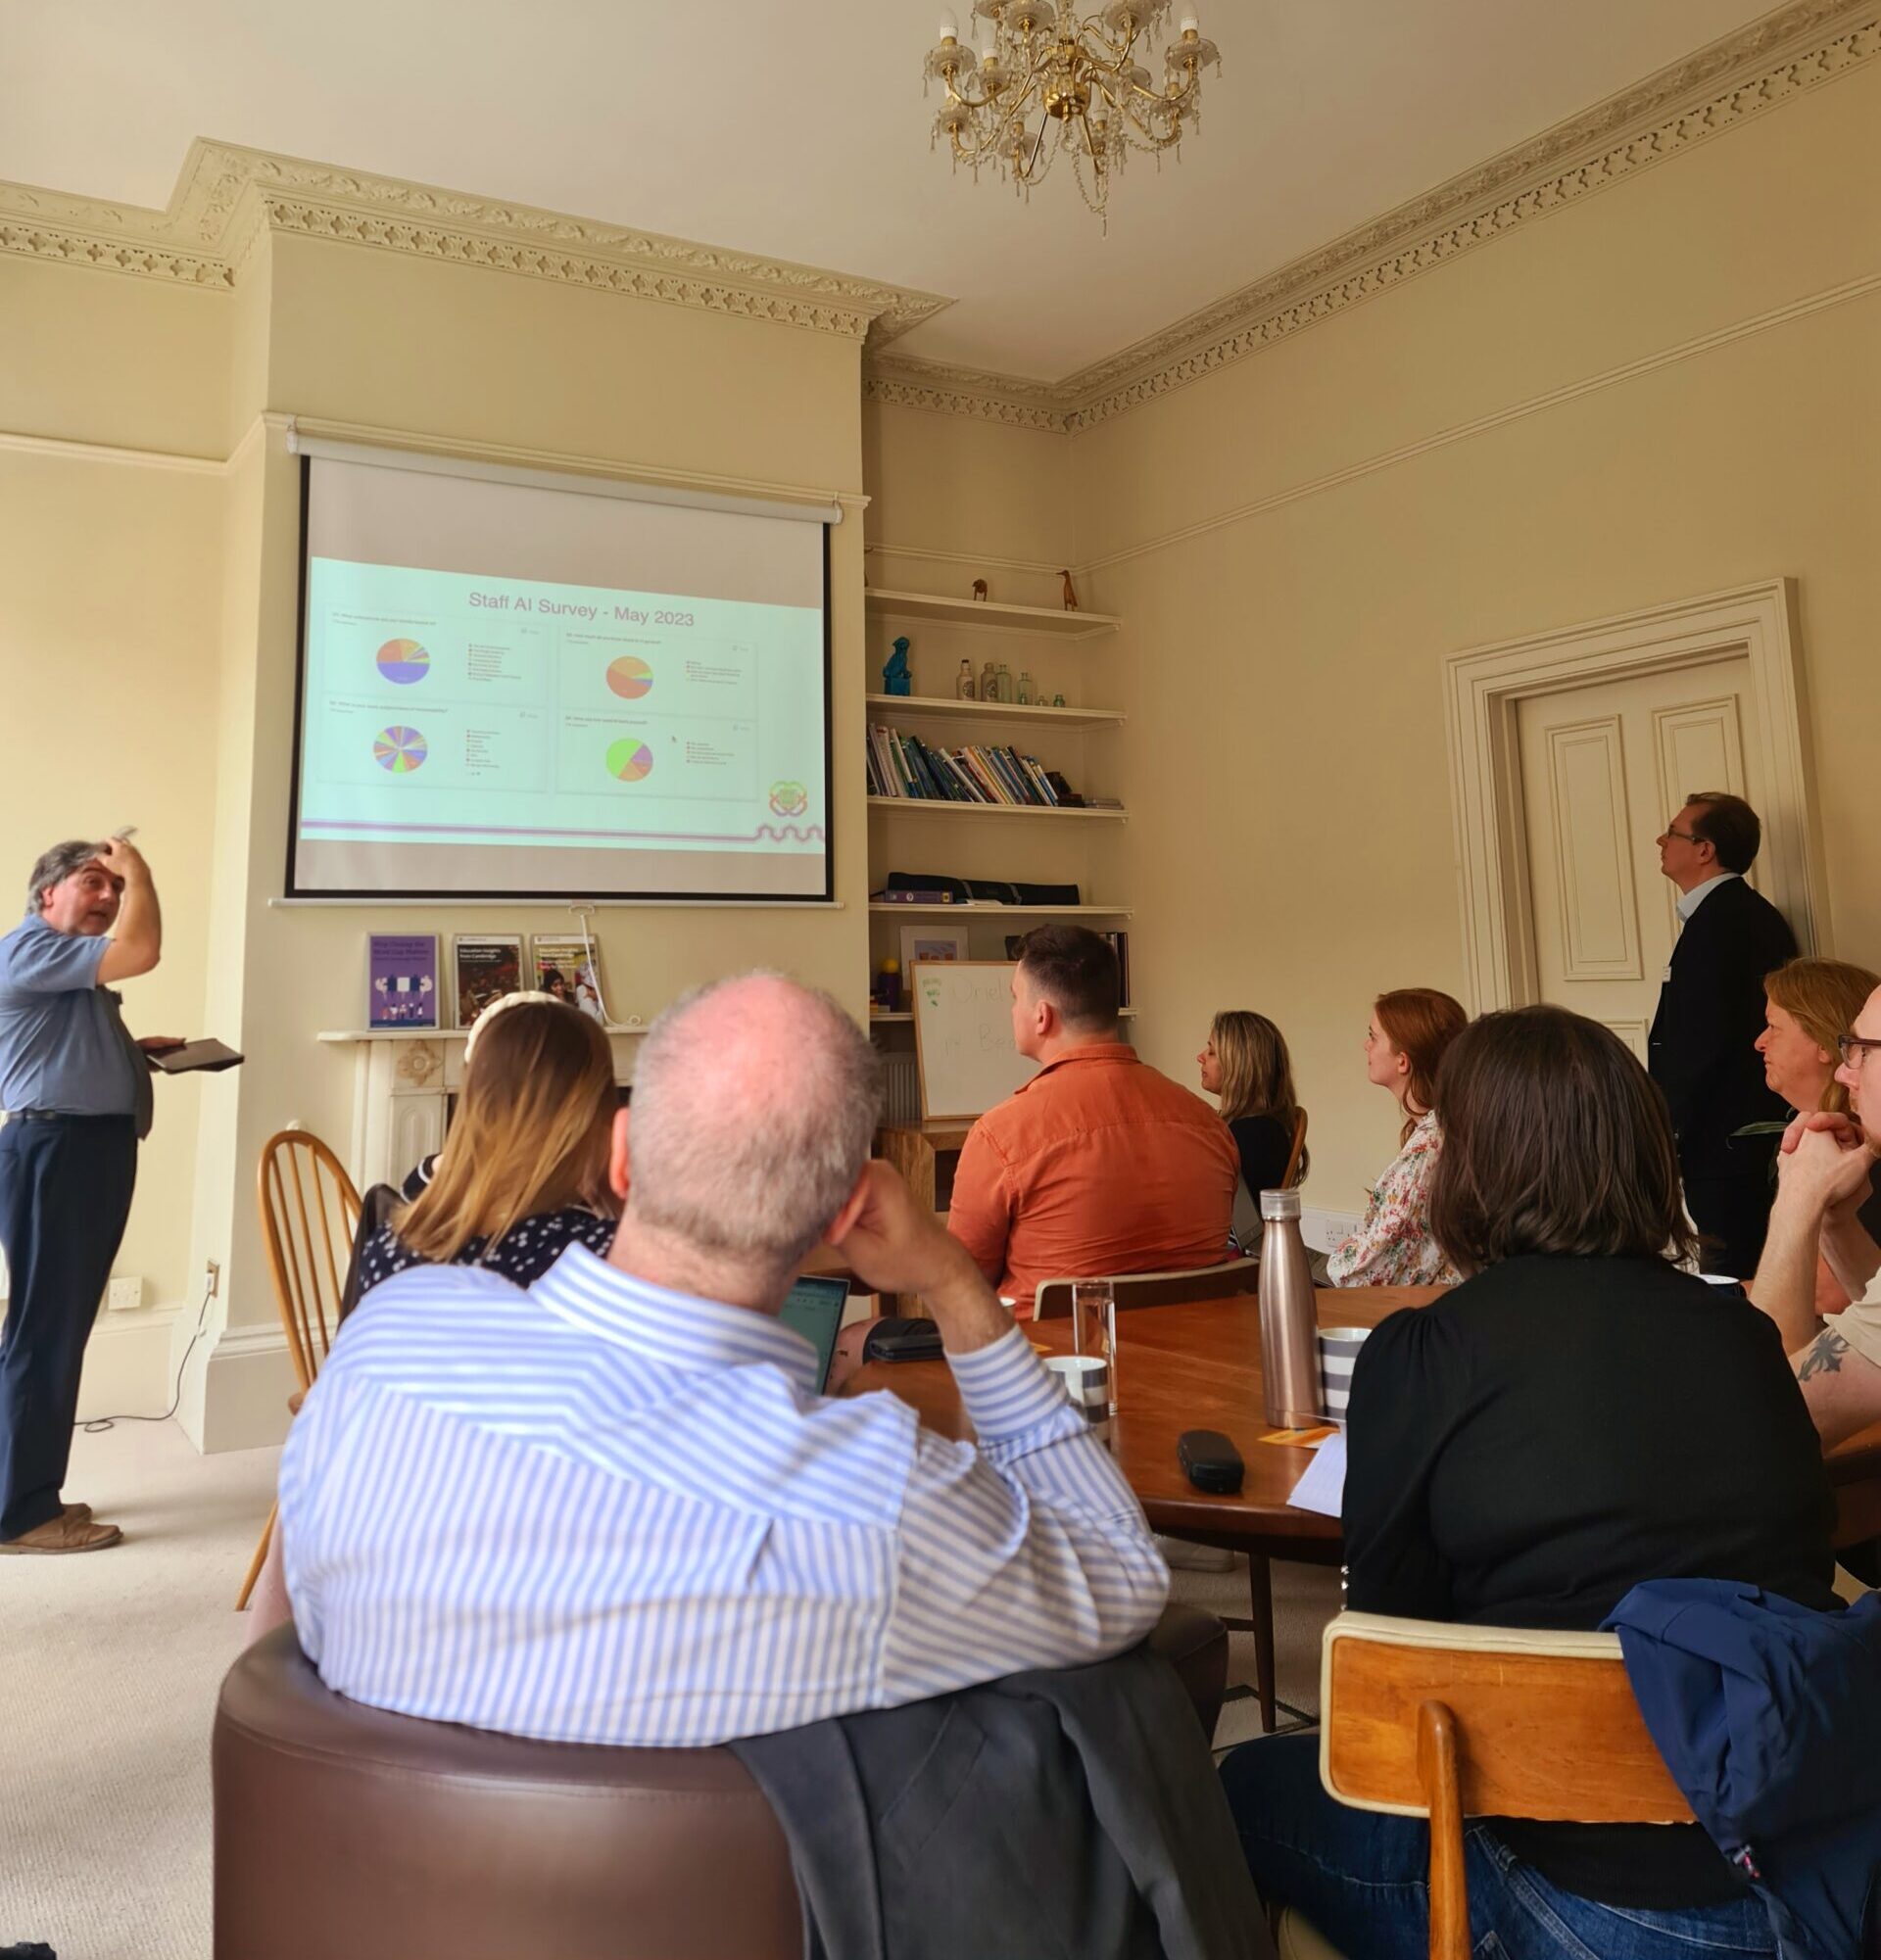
(489, 965)
(569, 968)
(902, 765)
(402, 980)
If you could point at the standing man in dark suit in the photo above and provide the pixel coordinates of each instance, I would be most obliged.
(1710, 1011)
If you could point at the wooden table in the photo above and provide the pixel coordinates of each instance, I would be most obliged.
(1198, 1366)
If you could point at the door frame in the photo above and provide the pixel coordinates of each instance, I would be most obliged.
(1482, 689)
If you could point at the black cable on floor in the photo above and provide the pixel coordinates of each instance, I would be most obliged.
(97, 1425)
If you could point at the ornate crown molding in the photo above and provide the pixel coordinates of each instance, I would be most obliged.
(1719, 88)
(226, 196)
(964, 391)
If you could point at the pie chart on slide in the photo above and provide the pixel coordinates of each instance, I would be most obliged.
(630, 678)
(402, 661)
(628, 759)
(399, 750)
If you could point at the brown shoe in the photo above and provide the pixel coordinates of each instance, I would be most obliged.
(79, 1511)
(65, 1533)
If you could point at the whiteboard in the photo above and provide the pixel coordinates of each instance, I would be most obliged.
(963, 1035)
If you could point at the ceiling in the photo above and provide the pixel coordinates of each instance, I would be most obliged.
(802, 132)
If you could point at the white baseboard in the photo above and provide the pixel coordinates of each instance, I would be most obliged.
(127, 1364)
(243, 1401)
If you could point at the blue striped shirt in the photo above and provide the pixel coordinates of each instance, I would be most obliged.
(597, 1510)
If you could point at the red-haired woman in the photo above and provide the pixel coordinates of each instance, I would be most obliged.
(1404, 1043)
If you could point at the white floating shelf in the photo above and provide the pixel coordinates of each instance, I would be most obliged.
(930, 805)
(937, 708)
(985, 614)
(990, 909)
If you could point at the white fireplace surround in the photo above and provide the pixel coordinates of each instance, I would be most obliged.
(403, 1079)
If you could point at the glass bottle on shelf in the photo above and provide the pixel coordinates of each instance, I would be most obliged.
(989, 683)
(1005, 684)
(963, 680)
(1024, 688)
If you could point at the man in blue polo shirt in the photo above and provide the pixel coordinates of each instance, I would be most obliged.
(75, 1087)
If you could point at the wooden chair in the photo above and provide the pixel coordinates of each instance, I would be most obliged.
(1425, 1720)
(310, 1213)
(1296, 1152)
(1053, 1300)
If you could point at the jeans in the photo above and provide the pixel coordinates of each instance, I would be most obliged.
(1363, 1880)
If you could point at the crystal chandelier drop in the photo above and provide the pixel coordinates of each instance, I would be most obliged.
(1040, 64)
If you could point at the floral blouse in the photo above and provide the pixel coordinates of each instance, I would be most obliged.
(1393, 1246)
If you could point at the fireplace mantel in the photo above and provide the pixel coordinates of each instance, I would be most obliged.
(402, 1079)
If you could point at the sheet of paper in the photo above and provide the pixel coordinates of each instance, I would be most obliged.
(1322, 1487)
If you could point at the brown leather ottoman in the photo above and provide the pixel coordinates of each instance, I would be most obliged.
(343, 1833)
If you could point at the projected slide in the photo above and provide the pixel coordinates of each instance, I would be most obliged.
(447, 709)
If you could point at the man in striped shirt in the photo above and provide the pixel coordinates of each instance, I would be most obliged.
(614, 1508)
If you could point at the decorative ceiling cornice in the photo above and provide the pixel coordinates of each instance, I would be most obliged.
(964, 391)
(1782, 55)
(226, 196)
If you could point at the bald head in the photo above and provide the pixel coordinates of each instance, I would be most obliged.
(755, 1102)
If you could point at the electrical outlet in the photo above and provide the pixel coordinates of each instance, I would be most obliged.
(213, 1278)
(125, 1293)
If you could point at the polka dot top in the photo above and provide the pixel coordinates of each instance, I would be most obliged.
(525, 1252)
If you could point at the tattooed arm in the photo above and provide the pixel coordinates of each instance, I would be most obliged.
(1843, 1388)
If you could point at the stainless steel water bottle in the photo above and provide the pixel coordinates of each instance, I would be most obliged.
(1289, 1320)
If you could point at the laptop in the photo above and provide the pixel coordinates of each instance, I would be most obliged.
(814, 1310)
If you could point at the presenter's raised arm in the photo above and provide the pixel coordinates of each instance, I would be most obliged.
(137, 944)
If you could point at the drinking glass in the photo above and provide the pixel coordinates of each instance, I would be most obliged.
(1093, 1327)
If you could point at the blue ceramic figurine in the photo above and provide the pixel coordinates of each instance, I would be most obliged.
(896, 677)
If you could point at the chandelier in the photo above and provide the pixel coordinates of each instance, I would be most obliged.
(1038, 62)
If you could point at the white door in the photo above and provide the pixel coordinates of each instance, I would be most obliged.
(1603, 769)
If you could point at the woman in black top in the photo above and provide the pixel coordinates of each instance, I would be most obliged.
(1244, 1062)
(1577, 1417)
(523, 1173)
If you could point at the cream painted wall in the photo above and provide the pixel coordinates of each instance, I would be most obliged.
(481, 358)
(1653, 394)
(108, 672)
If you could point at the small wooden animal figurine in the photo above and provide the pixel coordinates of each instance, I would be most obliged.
(1071, 594)
(895, 678)
(978, 588)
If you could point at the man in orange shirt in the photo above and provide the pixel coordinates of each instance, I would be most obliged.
(1099, 1163)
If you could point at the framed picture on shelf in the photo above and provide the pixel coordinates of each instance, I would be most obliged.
(930, 943)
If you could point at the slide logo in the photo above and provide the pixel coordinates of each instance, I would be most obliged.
(399, 750)
(402, 661)
(789, 800)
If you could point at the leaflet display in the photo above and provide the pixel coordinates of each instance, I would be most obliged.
(511, 690)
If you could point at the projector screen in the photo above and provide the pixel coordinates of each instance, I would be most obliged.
(508, 689)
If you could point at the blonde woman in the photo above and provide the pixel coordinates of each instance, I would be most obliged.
(523, 1173)
(1806, 1004)
(1244, 1063)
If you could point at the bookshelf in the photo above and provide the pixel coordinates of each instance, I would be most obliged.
(1070, 844)
(928, 806)
(937, 708)
(987, 615)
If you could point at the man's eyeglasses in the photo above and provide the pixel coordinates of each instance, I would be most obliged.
(1854, 1049)
(1684, 836)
